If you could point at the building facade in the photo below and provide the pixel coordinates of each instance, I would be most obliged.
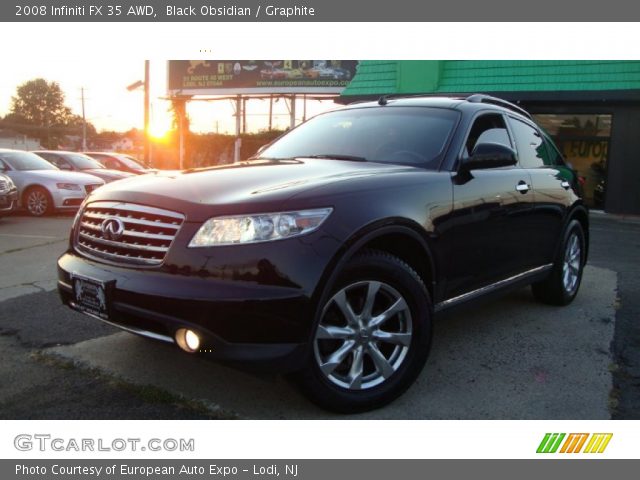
(590, 108)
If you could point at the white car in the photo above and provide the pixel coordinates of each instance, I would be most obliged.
(42, 187)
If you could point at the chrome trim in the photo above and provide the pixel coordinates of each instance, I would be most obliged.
(101, 256)
(130, 233)
(143, 226)
(136, 221)
(134, 207)
(489, 288)
(137, 331)
(120, 244)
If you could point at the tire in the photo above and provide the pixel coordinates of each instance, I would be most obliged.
(353, 364)
(563, 283)
(38, 201)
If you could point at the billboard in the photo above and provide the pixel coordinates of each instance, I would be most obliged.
(235, 77)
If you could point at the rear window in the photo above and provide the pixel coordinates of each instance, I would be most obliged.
(400, 135)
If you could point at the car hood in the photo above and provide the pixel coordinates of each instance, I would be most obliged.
(59, 176)
(239, 186)
(107, 174)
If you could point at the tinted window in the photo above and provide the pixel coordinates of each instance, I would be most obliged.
(531, 150)
(130, 162)
(489, 128)
(56, 160)
(553, 155)
(401, 135)
(82, 162)
(25, 161)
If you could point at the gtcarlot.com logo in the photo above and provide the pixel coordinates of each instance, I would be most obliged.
(574, 443)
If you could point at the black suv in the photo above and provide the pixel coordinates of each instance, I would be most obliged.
(328, 254)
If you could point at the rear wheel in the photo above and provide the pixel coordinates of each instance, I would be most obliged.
(372, 337)
(38, 202)
(562, 285)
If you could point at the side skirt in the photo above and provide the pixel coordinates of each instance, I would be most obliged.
(499, 287)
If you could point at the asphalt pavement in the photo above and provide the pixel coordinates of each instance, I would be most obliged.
(508, 359)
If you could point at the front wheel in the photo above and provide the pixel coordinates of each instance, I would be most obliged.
(561, 286)
(38, 201)
(372, 336)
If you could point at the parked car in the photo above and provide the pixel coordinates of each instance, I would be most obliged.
(42, 187)
(78, 162)
(119, 161)
(329, 254)
(8, 195)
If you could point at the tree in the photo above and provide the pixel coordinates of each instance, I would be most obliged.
(38, 109)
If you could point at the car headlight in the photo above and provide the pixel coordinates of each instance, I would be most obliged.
(68, 186)
(263, 227)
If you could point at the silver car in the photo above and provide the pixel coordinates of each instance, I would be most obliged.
(78, 162)
(43, 187)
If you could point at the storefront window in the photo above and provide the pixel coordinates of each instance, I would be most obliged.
(584, 142)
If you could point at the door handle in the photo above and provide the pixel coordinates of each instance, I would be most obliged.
(522, 186)
(566, 185)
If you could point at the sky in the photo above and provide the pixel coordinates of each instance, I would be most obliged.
(110, 106)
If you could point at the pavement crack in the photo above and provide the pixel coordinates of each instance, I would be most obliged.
(21, 249)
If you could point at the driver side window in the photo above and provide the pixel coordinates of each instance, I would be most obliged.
(488, 128)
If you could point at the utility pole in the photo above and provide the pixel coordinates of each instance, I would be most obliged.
(147, 144)
(270, 112)
(292, 111)
(84, 123)
(238, 142)
(244, 115)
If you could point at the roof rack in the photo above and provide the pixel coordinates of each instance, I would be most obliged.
(482, 98)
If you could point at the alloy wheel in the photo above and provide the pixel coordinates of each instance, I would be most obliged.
(363, 336)
(37, 202)
(571, 265)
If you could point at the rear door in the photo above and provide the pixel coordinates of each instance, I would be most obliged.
(551, 190)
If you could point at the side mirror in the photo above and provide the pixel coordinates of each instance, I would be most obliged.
(490, 155)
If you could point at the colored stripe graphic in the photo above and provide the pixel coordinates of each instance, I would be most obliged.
(574, 443)
(550, 442)
(598, 442)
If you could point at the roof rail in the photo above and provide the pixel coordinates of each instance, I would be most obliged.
(482, 98)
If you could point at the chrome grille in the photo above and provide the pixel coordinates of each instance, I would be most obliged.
(4, 186)
(145, 239)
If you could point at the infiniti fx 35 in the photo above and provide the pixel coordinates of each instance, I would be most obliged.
(328, 254)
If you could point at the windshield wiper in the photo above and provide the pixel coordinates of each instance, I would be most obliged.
(337, 156)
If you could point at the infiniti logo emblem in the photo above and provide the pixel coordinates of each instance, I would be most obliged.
(112, 228)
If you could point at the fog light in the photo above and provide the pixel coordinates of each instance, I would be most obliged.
(188, 340)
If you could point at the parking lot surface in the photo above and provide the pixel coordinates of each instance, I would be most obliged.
(507, 359)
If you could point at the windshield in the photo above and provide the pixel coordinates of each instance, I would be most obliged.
(400, 135)
(25, 161)
(82, 162)
(130, 162)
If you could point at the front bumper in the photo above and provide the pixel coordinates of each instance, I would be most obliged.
(8, 201)
(259, 326)
(67, 199)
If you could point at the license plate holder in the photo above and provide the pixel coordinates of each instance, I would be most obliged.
(91, 296)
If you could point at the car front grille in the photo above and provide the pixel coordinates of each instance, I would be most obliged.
(126, 233)
(4, 186)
